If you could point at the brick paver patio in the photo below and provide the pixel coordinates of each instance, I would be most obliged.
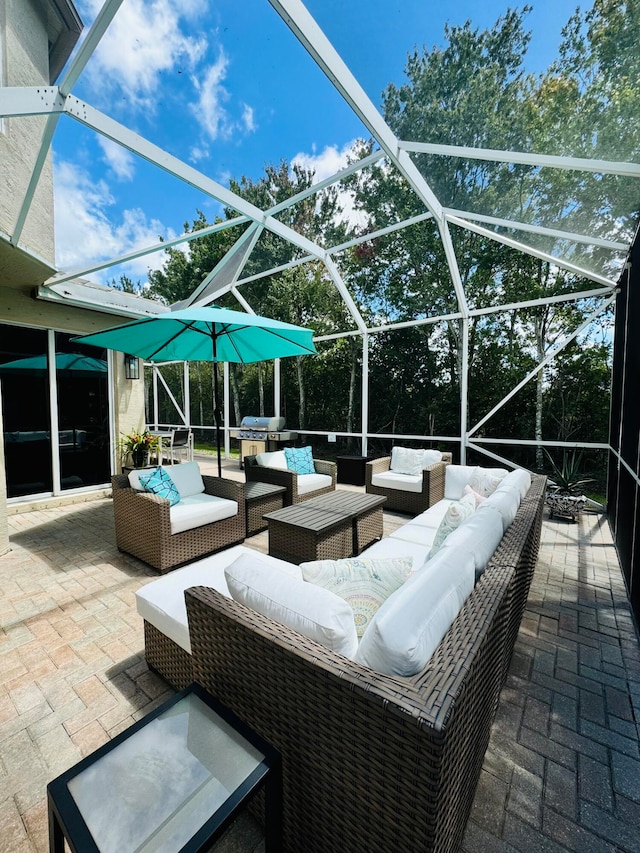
(563, 767)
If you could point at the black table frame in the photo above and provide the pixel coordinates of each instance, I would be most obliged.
(66, 821)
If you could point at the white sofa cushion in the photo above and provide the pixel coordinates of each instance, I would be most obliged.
(479, 536)
(393, 480)
(312, 482)
(272, 459)
(364, 582)
(518, 479)
(388, 547)
(197, 510)
(407, 628)
(187, 478)
(506, 502)
(161, 602)
(457, 512)
(419, 534)
(456, 478)
(430, 457)
(315, 612)
(433, 516)
(406, 460)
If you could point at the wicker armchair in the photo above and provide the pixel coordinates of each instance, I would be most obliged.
(143, 526)
(400, 500)
(289, 479)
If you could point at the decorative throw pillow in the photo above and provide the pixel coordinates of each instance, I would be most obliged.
(406, 460)
(479, 499)
(272, 459)
(160, 483)
(300, 460)
(486, 480)
(363, 583)
(453, 518)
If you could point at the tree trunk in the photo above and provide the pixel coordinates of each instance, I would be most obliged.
(301, 394)
(260, 390)
(233, 376)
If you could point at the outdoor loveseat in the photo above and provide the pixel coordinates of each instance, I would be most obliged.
(299, 487)
(371, 761)
(209, 516)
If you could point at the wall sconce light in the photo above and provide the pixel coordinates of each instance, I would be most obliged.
(131, 367)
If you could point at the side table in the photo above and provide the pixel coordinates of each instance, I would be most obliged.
(351, 469)
(261, 498)
(174, 781)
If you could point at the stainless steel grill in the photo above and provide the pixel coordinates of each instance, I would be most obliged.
(257, 434)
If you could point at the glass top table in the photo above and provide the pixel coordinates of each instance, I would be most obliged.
(172, 782)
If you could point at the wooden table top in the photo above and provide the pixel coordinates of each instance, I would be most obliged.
(326, 511)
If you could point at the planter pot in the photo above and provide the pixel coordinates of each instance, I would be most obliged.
(565, 506)
(139, 457)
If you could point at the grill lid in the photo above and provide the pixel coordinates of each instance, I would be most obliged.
(262, 424)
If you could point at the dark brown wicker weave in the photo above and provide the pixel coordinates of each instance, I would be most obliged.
(372, 762)
(289, 479)
(412, 503)
(143, 526)
(167, 658)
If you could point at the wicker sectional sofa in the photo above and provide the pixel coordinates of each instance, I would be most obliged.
(371, 761)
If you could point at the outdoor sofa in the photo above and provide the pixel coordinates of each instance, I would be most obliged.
(372, 761)
(271, 467)
(209, 516)
(409, 484)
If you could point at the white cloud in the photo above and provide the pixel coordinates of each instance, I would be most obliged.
(119, 160)
(143, 41)
(209, 110)
(327, 163)
(247, 118)
(85, 234)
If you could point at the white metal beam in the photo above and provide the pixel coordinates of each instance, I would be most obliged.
(149, 250)
(582, 164)
(549, 357)
(19, 101)
(528, 250)
(250, 237)
(353, 309)
(556, 233)
(380, 232)
(106, 126)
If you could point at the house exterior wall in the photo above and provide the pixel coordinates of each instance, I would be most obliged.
(25, 62)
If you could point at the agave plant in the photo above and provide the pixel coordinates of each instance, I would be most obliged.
(567, 478)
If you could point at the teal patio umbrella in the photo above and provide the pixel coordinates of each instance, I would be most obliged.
(206, 334)
(74, 363)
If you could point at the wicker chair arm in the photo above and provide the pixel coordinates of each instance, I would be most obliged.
(222, 488)
(322, 466)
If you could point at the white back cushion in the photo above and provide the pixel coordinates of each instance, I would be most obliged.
(479, 536)
(408, 626)
(431, 456)
(518, 479)
(456, 478)
(272, 459)
(506, 502)
(309, 609)
(406, 460)
(187, 478)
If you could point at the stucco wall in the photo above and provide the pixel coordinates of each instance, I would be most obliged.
(25, 63)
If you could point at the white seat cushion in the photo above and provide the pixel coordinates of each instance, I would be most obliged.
(311, 610)
(393, 480)
(417, 533)
(197, 510)
(312, 482)
(406, 629)
(161, 602)
(433, 516)
(388, 547)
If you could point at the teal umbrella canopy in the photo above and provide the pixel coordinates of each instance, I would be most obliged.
(206, 334)
(70, 362)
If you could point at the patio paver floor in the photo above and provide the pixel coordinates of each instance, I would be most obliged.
(562, 771)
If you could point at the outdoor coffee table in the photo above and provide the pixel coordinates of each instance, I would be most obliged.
(172, 782)
(330, 527)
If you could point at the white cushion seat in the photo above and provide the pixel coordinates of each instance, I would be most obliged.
(388, 547)
(161, 602)
(394, 480)
(196, 510)
(312, 482)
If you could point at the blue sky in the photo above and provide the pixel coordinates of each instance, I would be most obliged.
(225, 86)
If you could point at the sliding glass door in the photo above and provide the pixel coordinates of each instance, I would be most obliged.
(55, 412)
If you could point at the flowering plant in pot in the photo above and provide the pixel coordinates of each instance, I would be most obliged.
(138, 443)
(564, 493)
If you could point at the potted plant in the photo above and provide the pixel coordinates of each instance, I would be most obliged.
(138, 444)
(564, 492)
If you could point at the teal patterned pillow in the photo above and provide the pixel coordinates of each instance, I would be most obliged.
(300, 460)
(160, 483)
